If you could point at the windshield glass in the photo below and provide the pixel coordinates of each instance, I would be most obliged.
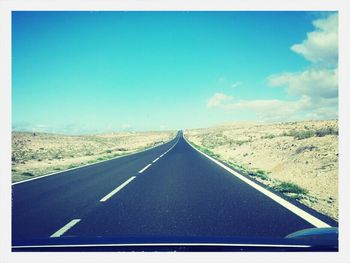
(175, 129)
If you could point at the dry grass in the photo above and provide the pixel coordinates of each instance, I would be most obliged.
(299, 159)
(35, 154)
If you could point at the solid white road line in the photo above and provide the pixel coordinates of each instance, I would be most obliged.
(104, 199)
(64, 229)
(296, 210)
(144, 168)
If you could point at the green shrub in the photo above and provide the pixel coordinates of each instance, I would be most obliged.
(237, 166)
(288, 187)
(326, 131)
(124, 149)
(209, 152)
(27, 174)
(241, 142)
(259, 173)
(304, 134)
(268, 136)
(306, 148)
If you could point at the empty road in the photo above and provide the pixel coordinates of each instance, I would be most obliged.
(168, 191)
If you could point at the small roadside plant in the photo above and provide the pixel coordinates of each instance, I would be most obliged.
(268, 136)
(288, 187)
(306, 148)
(259, 173)
(28, 174)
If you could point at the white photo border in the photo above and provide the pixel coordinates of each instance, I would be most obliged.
(7, 6)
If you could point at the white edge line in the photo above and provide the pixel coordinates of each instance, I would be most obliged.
(168, 244)
(104, 199)
(296, 210)
(64, 229)
(85, 165)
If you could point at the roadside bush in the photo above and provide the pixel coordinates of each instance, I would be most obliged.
(260, 173)
(268, 136)
(304, 134)
(326, 131)
(209, 152)
(27, 174)
(241, 142)
(124, 149)
(306, 148)
(237, 166)
(288, 187)
(57, 156)
(72, 166)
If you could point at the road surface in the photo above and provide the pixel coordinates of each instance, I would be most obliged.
(169, 191)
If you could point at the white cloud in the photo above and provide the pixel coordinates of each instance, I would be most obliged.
(283, 110)
(311, 82)
(266, 109)
(217, 99)
(314, 90)
(321, 45)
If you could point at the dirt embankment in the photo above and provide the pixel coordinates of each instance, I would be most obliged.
(35, 154)
(299, 159)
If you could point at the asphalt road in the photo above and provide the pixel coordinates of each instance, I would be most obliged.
(168, 191)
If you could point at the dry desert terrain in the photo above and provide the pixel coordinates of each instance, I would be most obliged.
(299, 159)
(35, 154)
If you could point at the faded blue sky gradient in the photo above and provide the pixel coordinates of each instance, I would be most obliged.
(82, 72)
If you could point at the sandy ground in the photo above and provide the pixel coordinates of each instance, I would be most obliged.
(42, 153)
(282, 152)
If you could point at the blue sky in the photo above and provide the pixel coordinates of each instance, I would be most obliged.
(86, 72)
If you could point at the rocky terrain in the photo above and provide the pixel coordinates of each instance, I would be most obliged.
(35, 154)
